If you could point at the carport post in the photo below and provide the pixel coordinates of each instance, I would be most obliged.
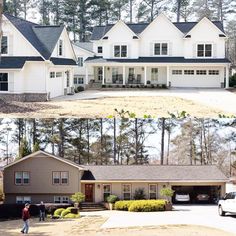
(227, 77)
(123, 75)
(145, 75)
(103, 75)
(86, 75)
(167, 76)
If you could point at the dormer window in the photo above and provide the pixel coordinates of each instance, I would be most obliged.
(60, 48)
(120, 51)
(204, 50)
(4, 47)
(100, 49)
(160, 49)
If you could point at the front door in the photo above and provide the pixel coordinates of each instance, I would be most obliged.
(89, 192)
(154, 76)
(100, 74)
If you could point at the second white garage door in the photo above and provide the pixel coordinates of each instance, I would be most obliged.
(56, 85)
(197, 78)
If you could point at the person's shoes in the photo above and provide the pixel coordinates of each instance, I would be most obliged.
(22, 231)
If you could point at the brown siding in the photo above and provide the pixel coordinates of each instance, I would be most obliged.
(41, 168)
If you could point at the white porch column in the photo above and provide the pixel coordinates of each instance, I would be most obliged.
(86, 75)
(123, 75)
(103, 75)
(167, 76)
(227, 77)
(145, 75)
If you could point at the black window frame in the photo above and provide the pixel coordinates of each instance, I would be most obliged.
(100, 49)
(4, 82)
(4, 40)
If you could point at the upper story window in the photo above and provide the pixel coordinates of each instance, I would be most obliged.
(100, 49)
(60, 177)
(4, 47)
(22, 178)
(160, 49)
(60, 47)
(204, 50)
(80, 61)
(120, 51)
(3, 82)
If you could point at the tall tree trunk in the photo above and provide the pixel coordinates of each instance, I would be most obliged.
(163, 121)
(178, 10)
(131, 10)
(101, 143)
(168, 144)
(191, 144)
(88, 141)
(136, 141)
(61, 147)
(1, 33)
(115, 145)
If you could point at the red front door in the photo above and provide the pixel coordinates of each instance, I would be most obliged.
(89, 192)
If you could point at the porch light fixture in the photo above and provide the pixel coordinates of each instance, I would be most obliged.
(142, 68)
(108, 68)
(98, 186)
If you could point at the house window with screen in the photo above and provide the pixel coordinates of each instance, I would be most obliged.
(60, 177)
(4, 47)
(204, 50)
(22, 178)
(3, 82)
(160, 49)
(126, 191)
(120, 51)
(23, 199)
(106, 191)
(152, 191)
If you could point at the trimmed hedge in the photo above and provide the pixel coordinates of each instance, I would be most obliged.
(64, 213)
(141, 205)
(58, 211)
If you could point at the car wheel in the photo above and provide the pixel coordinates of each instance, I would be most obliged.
(221, 212)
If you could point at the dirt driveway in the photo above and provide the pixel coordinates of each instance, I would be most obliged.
(90, 226)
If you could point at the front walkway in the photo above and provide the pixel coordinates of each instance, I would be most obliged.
(215, 98)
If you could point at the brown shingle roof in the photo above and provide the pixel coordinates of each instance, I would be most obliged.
(154, 173)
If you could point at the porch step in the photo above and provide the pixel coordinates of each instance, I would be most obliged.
(92, 207)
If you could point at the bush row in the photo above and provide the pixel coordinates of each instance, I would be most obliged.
(69, 212)
(8, 211)
(141, 205)
(161, 86)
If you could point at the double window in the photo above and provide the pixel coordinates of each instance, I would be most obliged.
(152, 191)
(60, 177)
(106, 191)
(78, 80)
(160, 49)
(120, 51)
(54, 74)
(61, 199)
(3, 82)
(80, 61)
(126, 191)
(204, 50)
(22, 178)
(23, 199)
(4, 46)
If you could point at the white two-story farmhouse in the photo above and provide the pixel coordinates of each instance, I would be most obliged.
(185, 54)
(37, 62)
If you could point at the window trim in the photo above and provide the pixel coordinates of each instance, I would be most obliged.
(149, 192)
(120, 50)
(60, 178)
(23, 199)
(5, 54)
(204, 49)
(106, 192)
(22, 178)
(161, 55)
(4, 91)
(61, 199)
(80, 59)
(99, 47)
(126, 192)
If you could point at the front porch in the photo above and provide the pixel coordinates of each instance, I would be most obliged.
(130, 76)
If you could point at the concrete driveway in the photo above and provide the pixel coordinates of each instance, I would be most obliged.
(205, 215)
(216, 98)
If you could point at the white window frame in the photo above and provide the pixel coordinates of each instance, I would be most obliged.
(61, 199)
(6, 54)
(161, 55)
(98, 49)
(22, 177)
(53, 177)
(103, 192)
(80, 61)
(120, 46)
(4, 82)
(67, 177)
(150, 192)
(23, 199)
(204, 49)
(130, 192)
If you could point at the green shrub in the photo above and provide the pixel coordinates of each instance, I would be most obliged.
(167, 192)
(123, 205)
(139, 194)
(72, 216)
(104, 86)
(64, 213)
(163, 86)
(77, 197)
(70, 208)
(80, 89)
(232, 81)
(147, 205)
(58, 211)
(112, 198)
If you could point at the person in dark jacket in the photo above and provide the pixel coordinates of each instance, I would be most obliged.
(41, 211)
(25, 218)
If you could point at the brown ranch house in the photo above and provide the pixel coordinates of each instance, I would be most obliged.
(44, 177)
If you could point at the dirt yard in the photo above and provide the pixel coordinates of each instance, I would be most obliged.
(105, 107)
(90, 226)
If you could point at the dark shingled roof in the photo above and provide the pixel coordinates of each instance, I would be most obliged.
(154, 173)
(184, 27)
(16, 62)
(158, 60)
(43, 38)
(63, 61)
(85, 45)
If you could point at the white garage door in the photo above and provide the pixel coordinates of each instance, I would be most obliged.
(200, 78)
(56, 84)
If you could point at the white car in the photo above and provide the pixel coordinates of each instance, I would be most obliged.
(227, 204)
(182, 197)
